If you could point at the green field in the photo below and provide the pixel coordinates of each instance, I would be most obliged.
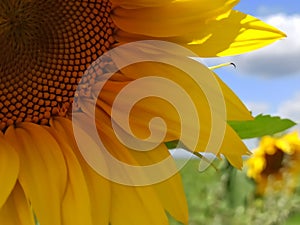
(227, 197)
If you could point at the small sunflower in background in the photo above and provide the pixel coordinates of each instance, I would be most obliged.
(275, 164)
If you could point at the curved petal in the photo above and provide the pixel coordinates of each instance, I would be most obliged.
(172, 197)
(151, 197)
(131, 204)
(136, 205)
(17, 209)
(76, 207)
(43, 172)
(173, 19)
(146, 109)
(170, 191)
(233, 148)
(76, 202)
(100, 194)
(9, 169)
(235, 108)
(243, 33)
(99, 188)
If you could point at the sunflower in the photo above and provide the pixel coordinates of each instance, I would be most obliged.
(45, 49)
(275, 163)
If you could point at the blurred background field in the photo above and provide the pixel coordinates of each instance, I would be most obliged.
(227, 197)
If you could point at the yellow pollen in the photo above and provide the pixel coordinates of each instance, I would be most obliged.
(45, 47)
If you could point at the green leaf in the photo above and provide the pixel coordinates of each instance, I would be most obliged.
(293, 220)
(172, 144)
(238, 186)
(261, 125)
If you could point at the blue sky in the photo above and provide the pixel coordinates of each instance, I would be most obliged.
(268, 80)
(264, 7)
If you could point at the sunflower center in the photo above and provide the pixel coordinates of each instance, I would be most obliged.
(45, 47)
(20, 25)
(273, 162)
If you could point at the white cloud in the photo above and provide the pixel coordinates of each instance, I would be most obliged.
(291, 109)
(279, 59)
(258, 107)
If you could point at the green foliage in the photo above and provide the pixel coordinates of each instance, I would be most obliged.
(227, 197)
(172, 144)
(293, 219)
(261, 125)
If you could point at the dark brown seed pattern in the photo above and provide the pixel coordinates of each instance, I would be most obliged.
(45, 47)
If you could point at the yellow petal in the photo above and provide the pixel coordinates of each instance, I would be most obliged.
(136, 206)
(233, 148)
(98, 187)
(148, 108)
(42, 170)
(100, 194)
(16, 210)
(144, 110)
(9, 169)
(243, 33)
(256, 165)
(157, 200)
(76, 207)
(198, 25)
(170, 191)
(172, 197)
(235, 108)
(173, 19)
(132, 205)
